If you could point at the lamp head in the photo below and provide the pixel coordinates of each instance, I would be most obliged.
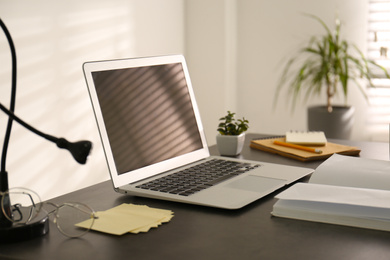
(79, 150)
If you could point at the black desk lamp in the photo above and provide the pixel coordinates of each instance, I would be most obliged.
(79, 150)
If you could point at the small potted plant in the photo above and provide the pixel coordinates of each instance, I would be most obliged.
(325, 66)
(231, 137)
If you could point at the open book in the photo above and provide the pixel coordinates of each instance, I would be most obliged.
(343, 190)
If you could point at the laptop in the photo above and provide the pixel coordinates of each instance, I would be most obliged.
(150, 128)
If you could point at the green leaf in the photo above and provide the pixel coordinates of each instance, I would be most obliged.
(325, 65)
(230, 126)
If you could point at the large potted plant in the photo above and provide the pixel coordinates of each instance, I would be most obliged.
(231, 137)
(326, 66)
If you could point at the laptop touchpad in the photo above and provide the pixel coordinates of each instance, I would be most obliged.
(257, 183)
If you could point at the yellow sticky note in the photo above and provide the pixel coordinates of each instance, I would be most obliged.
(128, 218)
(116, 224)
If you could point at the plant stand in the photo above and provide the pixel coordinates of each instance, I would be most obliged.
(337, 124)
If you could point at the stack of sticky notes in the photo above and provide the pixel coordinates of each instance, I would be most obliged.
(128, 218)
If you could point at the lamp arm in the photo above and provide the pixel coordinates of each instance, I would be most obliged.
(13, 98)
(79, 150)
(29, 127)
(4, 222)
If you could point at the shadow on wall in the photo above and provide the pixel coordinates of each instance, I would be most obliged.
(51, 47)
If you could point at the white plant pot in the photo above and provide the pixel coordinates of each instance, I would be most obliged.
(230, 145)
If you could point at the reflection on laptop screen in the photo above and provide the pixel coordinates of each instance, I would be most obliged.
(147, 113)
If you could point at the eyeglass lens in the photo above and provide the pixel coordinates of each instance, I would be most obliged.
(21, 205)
(69, 215)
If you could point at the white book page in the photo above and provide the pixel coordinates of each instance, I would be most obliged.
(351, 171)
(307, 192)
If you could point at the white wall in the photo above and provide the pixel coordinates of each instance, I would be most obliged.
(210, 52)
(267, 32)
(53, 38)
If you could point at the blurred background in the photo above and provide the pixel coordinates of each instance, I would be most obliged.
(235, 50)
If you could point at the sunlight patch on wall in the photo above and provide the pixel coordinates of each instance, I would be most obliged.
(51, 47)
(378, 119)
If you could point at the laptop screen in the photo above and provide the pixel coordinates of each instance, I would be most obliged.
(148, 114)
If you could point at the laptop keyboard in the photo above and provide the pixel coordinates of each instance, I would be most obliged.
(198, 177)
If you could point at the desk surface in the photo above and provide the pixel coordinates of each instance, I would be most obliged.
(198, 232)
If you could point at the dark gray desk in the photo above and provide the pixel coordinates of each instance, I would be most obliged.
(206, 233)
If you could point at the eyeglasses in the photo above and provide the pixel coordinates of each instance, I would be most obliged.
(21, 206)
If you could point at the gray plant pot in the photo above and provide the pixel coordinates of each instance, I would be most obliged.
(337, 124)
(230, 145)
